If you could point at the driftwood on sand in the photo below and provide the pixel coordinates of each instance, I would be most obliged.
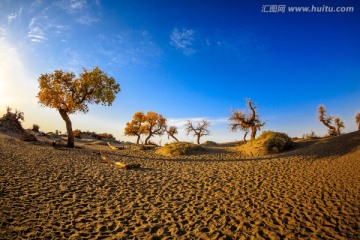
(119, 164)
(115, 148)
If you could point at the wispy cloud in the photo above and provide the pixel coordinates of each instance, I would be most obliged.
(86, 20)
(36, 33)
(71, 6)
(129, 48)
(11, 17)
(79, 9)
(183, 40)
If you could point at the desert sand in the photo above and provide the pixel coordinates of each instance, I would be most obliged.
(312, 192)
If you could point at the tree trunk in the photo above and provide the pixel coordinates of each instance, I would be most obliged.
(138, 139)
(147, 139)
(174, 138)
(69, 130)
(246, 133)
(253, 132)
(198, 139)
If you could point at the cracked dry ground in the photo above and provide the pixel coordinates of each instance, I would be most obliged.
(71, 194)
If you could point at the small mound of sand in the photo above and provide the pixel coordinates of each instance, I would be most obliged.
(178, 148)
(209, 143)
(328, 147)
(268, 142)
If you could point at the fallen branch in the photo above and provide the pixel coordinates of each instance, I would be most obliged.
(115, 148)
(119, 164)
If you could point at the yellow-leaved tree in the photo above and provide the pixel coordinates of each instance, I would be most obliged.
(150, 123)
(70, 94)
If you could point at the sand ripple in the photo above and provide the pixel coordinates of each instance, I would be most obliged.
(71, 194)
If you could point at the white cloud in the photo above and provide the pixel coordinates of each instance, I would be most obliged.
(12, 17)
(183, 40)
(71, 5)
(36, 33)
(86, 20)
(79, 10)
(129, 48)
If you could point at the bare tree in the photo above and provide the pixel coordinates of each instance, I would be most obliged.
(201, 129)
(357, 120)
(135, 127)
(327, 121)
(171, 131)
(243, 122)
(154, 124)
(339, 125)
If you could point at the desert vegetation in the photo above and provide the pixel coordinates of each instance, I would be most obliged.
(200, 129)
(11, 121)
(239, 120)
(135, 127)
(35, 128)
(149, 124)
(209, 143)
(178, 148)
(171, 132)
(267, 142)
(278, 140)
(154, 124)
(310, 135)
(88, 134)
(333, 130)
(357, 120)
(68, 94)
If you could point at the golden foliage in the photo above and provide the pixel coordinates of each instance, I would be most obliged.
(241, 121)
(151, 124)
(327, 121)
(171, 131)
(63, 91)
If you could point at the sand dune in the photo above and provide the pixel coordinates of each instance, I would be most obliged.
(310, 192)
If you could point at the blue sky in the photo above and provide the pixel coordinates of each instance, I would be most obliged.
(186, 60)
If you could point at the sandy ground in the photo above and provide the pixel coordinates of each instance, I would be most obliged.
(309, 193)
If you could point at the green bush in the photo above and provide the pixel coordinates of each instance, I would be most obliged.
(278, 140)
(178, 148)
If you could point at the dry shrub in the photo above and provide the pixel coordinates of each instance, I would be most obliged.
(178, 148)
(210, 143)
(35, 128)
(311, 135)
(280, 141)
(77, 133)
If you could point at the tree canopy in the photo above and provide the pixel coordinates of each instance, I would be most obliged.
(239, 120)
(201, 129)
(70, 94)
(333, 130)
(150, 123)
